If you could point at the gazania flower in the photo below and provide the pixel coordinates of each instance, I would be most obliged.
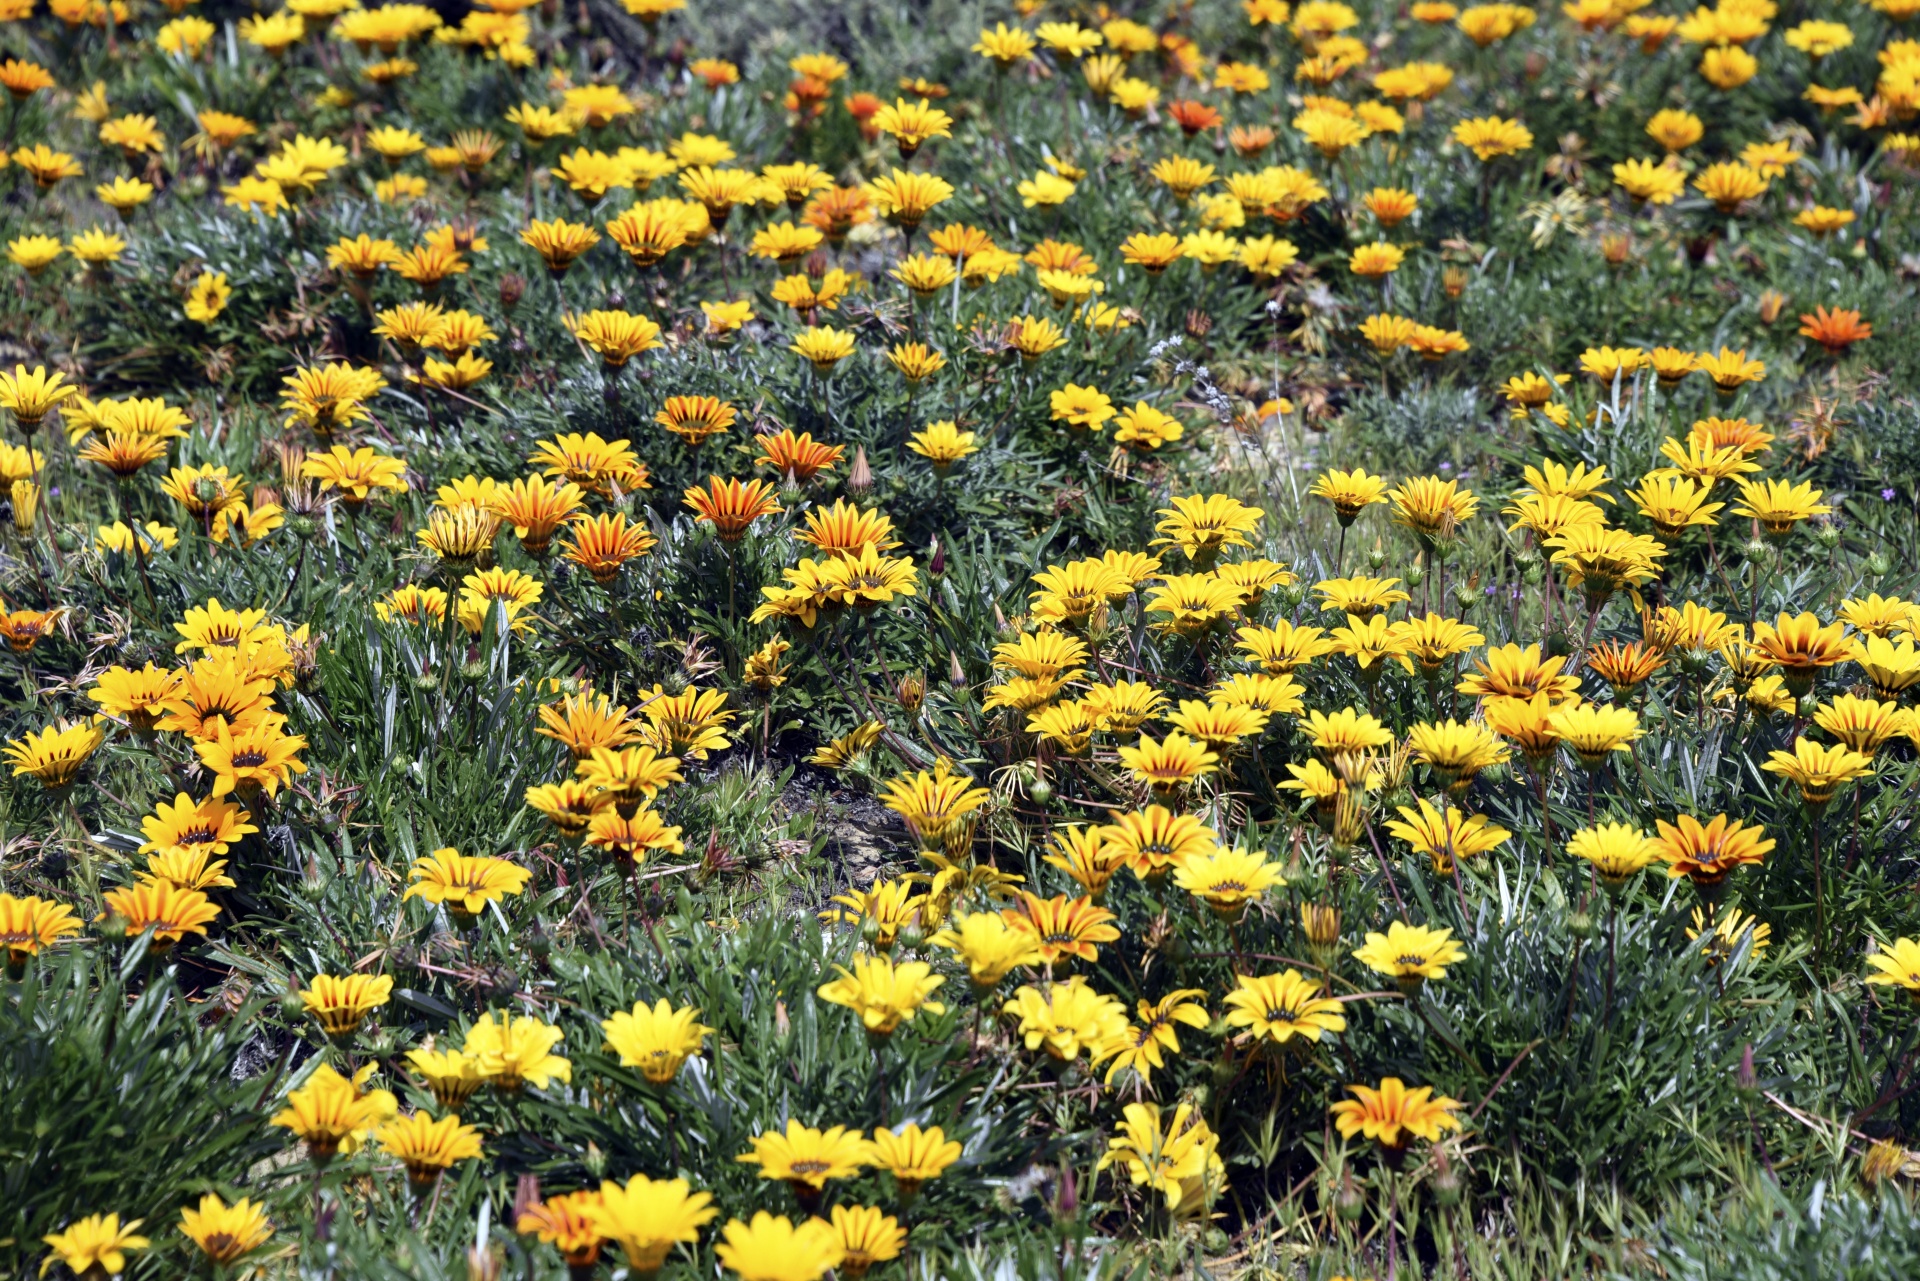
(1204, 526)
(1455, 752)
(208, 827)
(1729, 184)
(915, 1157)
(773, 1248)
(602, 544)
(942, 444)
(225, 1232)
(97, 1245)
(332, 1114)
(427, 1147)
(823, 347)
(1085, 408)
(656, 1040)
(1616, 850)
(1801, 646)
(1180, 1161)
(1376, 260)
(1155, 840)
(452, 1076)
(1063, 927)
(570, 805)
(570, 1222)
(1779, 505)
(31, 395)
(1432, 508)
(1284, 647)
(648, 1217)
(513, 1050)
(464, 884)
(1279, 1007)
(650, 231)
(1835, 330)
(559, 242)
(616, 336)
(1169, 764)
(30, 924)
(536, 507)
(55, 755)
(1892, 668)
(989, 946)
(1445, 835)
(23, 628)
(1725, 932)
(1818, 771)
(1490, 137)
(342, 1004)
(590, 462)
(695, 418)
(730, 506)
(1625, 667)
(1349, 492)
(1601, 561)
(1393, 1114)
(806, 1158)
(1706, 854)
(906, 198)
(1410, 955)
(1360, 598)
(1593, 730)
(1897, 965)
(884, 994)
(1067, 1019)
(1226, 880)
(800, 457)
(170, 912)
(244, 760)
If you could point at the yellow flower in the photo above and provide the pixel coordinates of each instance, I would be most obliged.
(1180, 1161)
(225, 1232)
(342, 1004)
(1616, 850)
(464, 884)
(882, 994)
(912, 1155)
(427, 1147)
(648, 1217)
(1897, 966)
(1393, 1114)
(806, 1158)
(55, 755)
(773, 1248)
(656, 1040)
(1818, 771)
(1067, 1019)
(1490, 137)
(94, 1246)
(511, 1050)
(27, 925)
(1279, 1007)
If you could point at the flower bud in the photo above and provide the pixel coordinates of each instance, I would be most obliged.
(1580, 924)
(860, 477)
(1826, 536)
(1877, 563)
(1755, 548)
(1349, 1202)
(1040, 790)
(1745, 1079)
(1414, 574)
(1445, 1183)
(1377, 558)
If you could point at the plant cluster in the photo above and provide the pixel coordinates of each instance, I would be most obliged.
(1244, 639)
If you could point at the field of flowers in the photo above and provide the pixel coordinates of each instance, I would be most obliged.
(948, 640)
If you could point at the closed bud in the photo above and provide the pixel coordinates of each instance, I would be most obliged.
(937, 562)
(860, 478)
(513, 287)
(1877, 563)
(1745, 1078)
(956, 674)
(870, 931)
(1040, 790)
(1290, 595)
(1495, 773)
(912, 937)
(911, 691)
(1807, 708)
(1349, 1202)
(1066, 1202)
(1321, 923)
(113, 928)
(1414, 574)
(1377, 558)
(1826, 536)
(1445, 1183)
(292, 1004)
(1580, 924)
(473, 671)
(1755, 548)
(1533, 575)
(1465, 597)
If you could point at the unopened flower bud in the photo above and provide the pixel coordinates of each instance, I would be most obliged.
(1349, 1202)
(1745, 1078)
(1415, 574)
(1376, 558)
(1580, 924)
(1877, 563)
(860, 477)
(1445, 1183)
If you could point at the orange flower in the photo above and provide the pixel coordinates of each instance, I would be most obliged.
(801, 457)
(1835, 330)
(732, 505)
(1192, 116)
